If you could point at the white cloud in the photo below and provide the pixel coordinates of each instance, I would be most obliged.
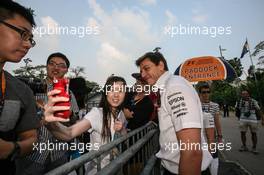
(171, 17)
(97, 10)
(123, 33)
(92, 22)
(198, 14)
(148, 2)
(134, 24)
(110, 60)
(200, 18)
(123, 27)
(49, 21)
(108, 55)
(51, 42)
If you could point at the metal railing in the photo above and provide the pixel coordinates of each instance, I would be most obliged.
(136, 154)
(90, 105)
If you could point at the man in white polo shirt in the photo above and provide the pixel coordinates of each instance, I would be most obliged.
(180, 119)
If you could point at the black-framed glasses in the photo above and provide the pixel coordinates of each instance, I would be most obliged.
(60, 65)
(25, 35)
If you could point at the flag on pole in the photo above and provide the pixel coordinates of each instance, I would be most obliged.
(245, 49)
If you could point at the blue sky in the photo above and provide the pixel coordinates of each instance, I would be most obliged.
(119, 31)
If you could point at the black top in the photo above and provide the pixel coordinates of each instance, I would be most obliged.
(143, 109)
(18, 115)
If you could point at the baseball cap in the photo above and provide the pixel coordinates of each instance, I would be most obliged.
(137, 76)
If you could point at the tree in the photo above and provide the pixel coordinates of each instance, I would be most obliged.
(251, 71)
(236, 63)
(223, 92)
(259, 48)
(36, 72)
(77, 71)
(93, 86)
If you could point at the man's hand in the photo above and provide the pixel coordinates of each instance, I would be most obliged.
(128, 113)
(50, 109)
(5, 148)
(220, 139)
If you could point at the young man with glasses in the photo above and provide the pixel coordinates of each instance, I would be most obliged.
(18, 120)
(37, 162)
(212, 108)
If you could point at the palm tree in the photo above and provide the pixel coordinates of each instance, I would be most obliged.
(259, 48)
(77, 71)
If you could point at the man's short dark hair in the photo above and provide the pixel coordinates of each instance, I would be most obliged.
(154, 57)
(245, 89)
(202, 85)
(58, 54)
(8, 9)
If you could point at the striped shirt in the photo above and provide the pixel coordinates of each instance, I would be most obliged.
(211, 107)
(50, 147)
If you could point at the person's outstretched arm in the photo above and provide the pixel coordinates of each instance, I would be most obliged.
(60, 131)
(65, 133)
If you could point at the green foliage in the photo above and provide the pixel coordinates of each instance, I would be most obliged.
(236, 63)
(223, 92)
(38, 71)
(92, 86)
(256, 88)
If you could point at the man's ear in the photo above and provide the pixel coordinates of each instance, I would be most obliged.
(161, 66)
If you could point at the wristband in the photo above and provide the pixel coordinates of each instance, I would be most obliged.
(16, 151)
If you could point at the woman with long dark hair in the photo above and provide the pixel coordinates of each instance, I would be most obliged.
(102, 122)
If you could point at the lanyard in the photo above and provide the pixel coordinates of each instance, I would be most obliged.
(3, 86)
(2, 92)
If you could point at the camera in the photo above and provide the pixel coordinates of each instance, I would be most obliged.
(247, 114)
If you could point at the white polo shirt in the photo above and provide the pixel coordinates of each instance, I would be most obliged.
(180, 109)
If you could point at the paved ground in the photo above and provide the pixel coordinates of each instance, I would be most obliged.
(234, 162)
(241, 162)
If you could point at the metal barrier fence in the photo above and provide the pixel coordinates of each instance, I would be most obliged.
(133, 153)
(90, 105)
